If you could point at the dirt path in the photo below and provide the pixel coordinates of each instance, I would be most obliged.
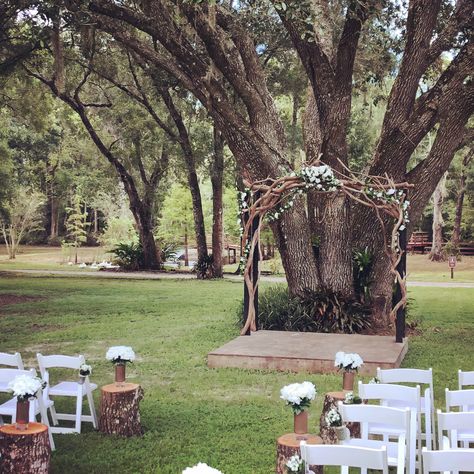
(190, 276)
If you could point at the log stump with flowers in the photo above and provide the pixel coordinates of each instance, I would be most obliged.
(120, 401)
(299, 397)
(330, 424)
(24, 451)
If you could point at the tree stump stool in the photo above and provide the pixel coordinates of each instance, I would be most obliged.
(327, 433)
(24, 452)
(288, 445)
(119, 409)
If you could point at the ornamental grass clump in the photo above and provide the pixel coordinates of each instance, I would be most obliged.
(25, 387)
(201, 468)
(298, 395)
(350, 362)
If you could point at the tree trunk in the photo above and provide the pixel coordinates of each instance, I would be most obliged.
(151, 259)
(456, 237)
(186, 247)
(96, 222)
(217, 175)
(436, 253)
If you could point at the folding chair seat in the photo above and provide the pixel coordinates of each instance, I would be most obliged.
(344, 457)
(424, 378)
(400, 420)
(11, 360)
(465, 379)
(449, 460)
(403, 397)
(38, 406)
(69, 389)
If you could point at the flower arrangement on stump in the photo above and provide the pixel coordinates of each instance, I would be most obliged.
(84, 371)
(350, 364)
(201, 468)
(299, 396)
(24, 388)
(334, 420)
(295, 465)
(119, 356)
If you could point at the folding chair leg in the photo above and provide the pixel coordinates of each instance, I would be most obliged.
(92, 411)
(78, 413)
(54, 417)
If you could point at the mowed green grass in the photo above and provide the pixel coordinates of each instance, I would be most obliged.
(228, 418)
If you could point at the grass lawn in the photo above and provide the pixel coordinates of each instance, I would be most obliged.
(228, 418)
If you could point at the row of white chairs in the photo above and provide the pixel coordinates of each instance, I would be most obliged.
(43, 404)
(365, 458)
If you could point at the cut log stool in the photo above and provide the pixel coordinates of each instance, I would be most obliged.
(24, 452)
(119, 409)
(327, 433)
(288, 445)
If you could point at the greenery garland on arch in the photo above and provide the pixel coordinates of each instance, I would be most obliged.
(277, 195)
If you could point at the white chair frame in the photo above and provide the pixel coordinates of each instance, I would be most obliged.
(38, 406)
(422, 377)
(448, 460)
(401, 420)
(397, 396)
(465, 379)
(458, 425)
(69, 389)
(10, 360)
(344, 457)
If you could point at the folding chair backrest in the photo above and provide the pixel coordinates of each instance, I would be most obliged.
(448, 460)
(387, 392)
(396, 417)
(465, 379)
(464, 399)
(59, 361)
(7, 375)
(12, 360)
(339, 455)
(420, 376)
(453, 422)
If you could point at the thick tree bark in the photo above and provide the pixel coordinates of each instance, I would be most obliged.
(217, 176)
(456, 236)
(436, 253)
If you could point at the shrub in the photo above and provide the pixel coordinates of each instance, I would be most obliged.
(313, 312)
(129, 255)
(203, 267)
(169, 251)
(362, 268)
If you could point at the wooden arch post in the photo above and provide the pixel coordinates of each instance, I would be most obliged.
(255, 273)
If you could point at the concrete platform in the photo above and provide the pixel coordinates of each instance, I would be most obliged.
(306, 352)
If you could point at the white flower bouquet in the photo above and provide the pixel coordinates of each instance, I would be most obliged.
(295, 465)
(333, 418)
(85, 370)
(348, 362)
(120, 354)
(298, 395)
(374, 380)
(25, 387)
(201, 468)
(351, 399)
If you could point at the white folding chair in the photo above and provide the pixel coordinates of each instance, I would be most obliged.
(464, 401)
(344, 457)
(420, 377)
(465, 379)
(399, 419)
(459, 427)
(11, 360)
(449, 460)
(38, 406)
(402, 397)
(69, 389)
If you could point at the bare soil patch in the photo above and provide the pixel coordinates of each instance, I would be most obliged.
(7, 299)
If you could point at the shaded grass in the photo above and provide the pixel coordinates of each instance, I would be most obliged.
(228, 418)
